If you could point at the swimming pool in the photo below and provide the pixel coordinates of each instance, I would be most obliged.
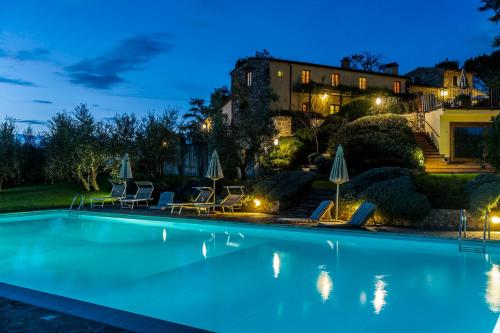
(239, 278)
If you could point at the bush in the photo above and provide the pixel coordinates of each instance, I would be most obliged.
(284, 187)
(284, 156)
(356, 109)
(444, 191)
(483, 194)
(392, 190)
(484, 198)
(397, 198)
(383, 140)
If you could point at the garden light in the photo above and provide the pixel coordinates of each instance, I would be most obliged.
(276, 142)
(256, 202)
(495, 219)
(324, 97)
(378, 101)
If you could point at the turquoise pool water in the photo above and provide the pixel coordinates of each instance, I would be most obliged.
(238, 278)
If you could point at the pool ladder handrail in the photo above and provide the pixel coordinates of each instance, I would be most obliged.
(462, 229)
(80, 205)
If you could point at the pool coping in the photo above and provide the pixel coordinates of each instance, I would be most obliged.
(102, 314)
(273, 226)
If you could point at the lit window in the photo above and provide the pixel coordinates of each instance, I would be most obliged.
(362, 83)
(396, 87)
(455, 80)
(306, 77)
(334, 108)
(335, 79)
(305, 107)
(280, 73)
(249, 79)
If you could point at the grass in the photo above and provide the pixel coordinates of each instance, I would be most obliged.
(446, 191)
(46, 196)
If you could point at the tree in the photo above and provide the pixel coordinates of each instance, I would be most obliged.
(364, 61)
(9, 166)
(493, 143)
(157, 141)
(76, 147)
(31, 157)
(487, 68)
(448, 64)
(493, 5)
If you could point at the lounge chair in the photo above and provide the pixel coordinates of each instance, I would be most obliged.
(118, 191)
(231, 202)
(204, 197)
(321, 213)
(165, 199)
(358, 219)
(143, 196)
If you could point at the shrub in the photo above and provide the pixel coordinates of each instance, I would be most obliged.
(392, 190)
(483, 193)
(382, 140)
(284, 187)
(284, 156)
(356, 109)
(493, 143)
(484, 198)
(443, 190)
(368, 178)
(397, 198)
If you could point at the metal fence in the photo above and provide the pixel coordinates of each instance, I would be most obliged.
(464, 98)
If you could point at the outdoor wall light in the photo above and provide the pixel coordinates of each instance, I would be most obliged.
(378, 101)
(444, 93)
(324, 97)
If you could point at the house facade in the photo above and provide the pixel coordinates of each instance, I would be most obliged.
(305, 87)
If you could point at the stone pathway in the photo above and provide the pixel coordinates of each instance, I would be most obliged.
(21, 317)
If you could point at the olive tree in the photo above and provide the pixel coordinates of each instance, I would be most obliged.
(9, 165)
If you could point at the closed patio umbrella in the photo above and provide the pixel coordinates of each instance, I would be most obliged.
(339, 175)
(125, 168)
(214, 170)
(462, 83)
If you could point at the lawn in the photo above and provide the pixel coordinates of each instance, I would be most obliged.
(46, 196)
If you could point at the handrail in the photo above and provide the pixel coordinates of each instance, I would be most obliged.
(432, 128)
(80, 205)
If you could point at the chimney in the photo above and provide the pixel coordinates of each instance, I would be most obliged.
(345, 62)
(391, 68)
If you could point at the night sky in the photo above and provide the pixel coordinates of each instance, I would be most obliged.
(139, 56)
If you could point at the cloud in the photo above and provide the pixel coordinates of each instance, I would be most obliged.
(38, 54)
(31, 121)
(104, 72)
(41, 101)
(17, 82)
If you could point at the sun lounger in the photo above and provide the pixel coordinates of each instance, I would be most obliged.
(165, 199)
(321, 213)
(143, 196)
(358, 219)
(118, 191)
(232, 201)
(204, 197)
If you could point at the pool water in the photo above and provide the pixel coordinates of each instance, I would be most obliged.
(240, 278)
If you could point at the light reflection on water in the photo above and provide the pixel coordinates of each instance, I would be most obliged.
(324, 284)
(164, 235)
(276, 265)
(493, 288)
(380, 293)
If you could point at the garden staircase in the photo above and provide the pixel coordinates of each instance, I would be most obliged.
(309, 202)
(435, 162)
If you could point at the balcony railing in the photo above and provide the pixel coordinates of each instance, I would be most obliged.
(461, 98)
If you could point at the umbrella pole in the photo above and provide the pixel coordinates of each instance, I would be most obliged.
(337, 204)
(214, 191)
